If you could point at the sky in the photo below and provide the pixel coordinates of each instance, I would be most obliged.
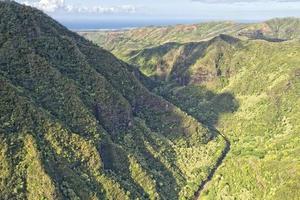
(153, 12)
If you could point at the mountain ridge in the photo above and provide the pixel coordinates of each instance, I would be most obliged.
(121, 43)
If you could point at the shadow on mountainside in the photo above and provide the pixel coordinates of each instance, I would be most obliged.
(206, 106)
(116, 160)
(201, 103)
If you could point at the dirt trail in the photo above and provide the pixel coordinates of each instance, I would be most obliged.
(215, 167)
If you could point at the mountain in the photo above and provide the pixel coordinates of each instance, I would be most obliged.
(279, 28)
(185, 63)
(246, 87)
(123, 42)
(77, 123)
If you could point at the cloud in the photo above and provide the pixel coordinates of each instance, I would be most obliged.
(56, 5)
(46, 5)
(101, 9)
(242, 1)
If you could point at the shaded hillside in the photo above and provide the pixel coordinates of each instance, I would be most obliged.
(261, 122)
(76, 123)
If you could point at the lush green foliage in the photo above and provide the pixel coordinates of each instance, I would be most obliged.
(264, 161)
(76, 123)
(249, 90)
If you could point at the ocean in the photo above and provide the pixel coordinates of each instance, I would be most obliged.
(127, 24)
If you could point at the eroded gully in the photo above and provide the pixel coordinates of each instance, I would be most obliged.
(215, 167)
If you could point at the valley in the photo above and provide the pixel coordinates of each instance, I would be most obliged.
(245, 87)
(206, 111)
(218, 163)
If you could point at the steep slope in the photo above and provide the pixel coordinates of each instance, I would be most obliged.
(264, 79)
(77, 124)
(249, 91)
(186, 63)
(263, 162)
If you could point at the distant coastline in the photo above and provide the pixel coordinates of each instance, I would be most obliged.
(104, 29)
(116, 25)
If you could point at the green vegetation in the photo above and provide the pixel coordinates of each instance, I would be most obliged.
(123, 43)
(279, 28)
(263, 163)
(76, 123)
(248, 90)
(264, 131)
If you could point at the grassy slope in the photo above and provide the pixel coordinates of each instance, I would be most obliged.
(259, 82)
(122, 43)
(185, 63)
(283, 28)
(264, 129)
(76, 123)
(263, 163)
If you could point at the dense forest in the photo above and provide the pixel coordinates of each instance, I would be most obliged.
(77, 123)
(242, 80)
(203, 111)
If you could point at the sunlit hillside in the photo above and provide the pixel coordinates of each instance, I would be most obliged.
(245, 83)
